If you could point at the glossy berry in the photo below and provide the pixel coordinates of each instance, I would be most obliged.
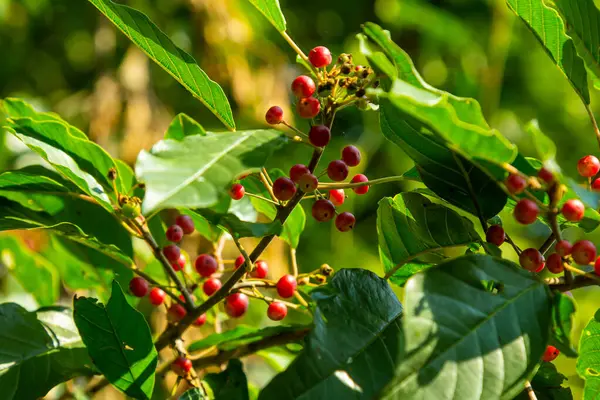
(201, 320)
(345, 222)
(236, 305)
(277, 311)
(532, 260)
(337, 170)
(526, 211)
(179, 264)
(239, 261)
(174, 233)
(308, 107)
(186, 223)
(563, 248)
(573, 210)
(555, 263)
(320, 57)
(284, 188)
(308, 183)
(359, 179)
(351, 156)
(515, 183)
(495, 235)
(210, 286)
(261, 269)
(319, 135)
(303, 86)
(157, 296)
(588, 166)
(206, 265)
(181, 366)
(597, 266)
(584, 252)
(176, 312)
(323, 210)
(138, 286)
(297, 171)
(286, 286)
(274, 115)
(171, 252)
(550, 354)
(596, 184)
(337, 197)
(546, 175)
(237, 191)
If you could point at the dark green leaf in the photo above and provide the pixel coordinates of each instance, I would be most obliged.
(563, 312)
(182, 126)
(230, 384)
(547, 385)
(588, 362)
(272, 11)
(194, 394)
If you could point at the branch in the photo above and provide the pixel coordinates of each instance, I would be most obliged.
(594, 123)
(578, 282)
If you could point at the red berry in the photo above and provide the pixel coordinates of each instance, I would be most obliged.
(320, 56)
(274, 115)
(345, 222)
(337, 170)
(171, 252)
(550, 354)
(176, 312)
(237, 191)
(588, 166)
(563, 248)
(277, 311)
(546, 175)
(323, 210)
(319, 135)
(515, 183)
(179, 264)
(584, 252)
(359, 179)
(284, 188)
(211, 286)
(186, 223)
(495, 235)
(596, 184)
(308, 183)
(261, 268)
(157, 296)
(206, 265)
(286, 286)
(597, 266)
(573, 210)
(526, 211)
(201, 320)
(297, 171)
(236, 305)
(308, 107)
(337, 197)
(303, 86)
(181, 366)
(351, 156)
(555, 263)
(239, 261)
(174, 233)
(138, 286)
(532, 260)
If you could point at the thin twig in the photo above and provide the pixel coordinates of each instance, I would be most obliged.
(261, 198)
(331, 185)
(547, 244)
(594, 123)
(269, 186)
(578, 282)
(513, 244)
(294, 261)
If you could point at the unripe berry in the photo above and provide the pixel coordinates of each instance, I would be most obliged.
(297, 171)
(284, 188)
(179, 264)
(286, 286)
(274, 115)
(532, 260)
(584, 252)
(308, 107)
(131, 210)
(359, 179)
(239, 261)
(308, 183)
(351, 156)
(597, 266)
(303, 86)
(236, 305)
(546, 175)
(550, 354)
(157, 296)
(526, 211)
(495, 235)
(320, 57)
(171, 252)
(201, 320)
(138, 286)
(573, 210)
(176, 313)
(337, 197)
(237, 191)
(319, 135)
(211, 286)
(206, 265)
(563, 248)
(323, 210)
(345, 222)
(337, 170)
(596, 184)
(515, 183)
(181, 366)
(174, 233)
(261, 269)
(555, 263)
(186, 223)
(588, 166)
(277, 311)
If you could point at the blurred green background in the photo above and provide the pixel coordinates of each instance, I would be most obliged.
(64, 56)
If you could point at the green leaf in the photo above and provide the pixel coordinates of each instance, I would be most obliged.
(179, 64)
(348, 354)
(563, 313)
(547, 384)
(241, 228)
(194, 394)
(472, 319)
(119, 342)
(203, 226)
(182, 126)
(272, 11)
(549, 29)
(588, 362)
(544, 146)
(38, 350)
(230, 384)
(197, 171)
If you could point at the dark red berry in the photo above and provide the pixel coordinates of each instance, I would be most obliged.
(179, 264)
(157, 296)
(337, 197)
(303, 86)
(239, 261)
(345, 222)
(176, 312)
(138, 286)
(171, 252)
(206, 265)
(596, 184)
(532, 260)
(277, 311)
(308, 107)
(297, 171)
(515, 183)
(337, 170)
(274, 115)
(319, 135)
(201, 320)
(563, 248)
(284, 188)
(236, 305)
(174, 233)
(181, 366)
(573, 210)
(308, 183)
(351, 156)
(526, 211)
(286, 286)
(584, 252)
(186, 223)
(237, 191)
(555, 263)
(320, 57)
(597, 266)
(261, 269)
(323, 210)
(495, 235)
(550, 354)
(359, 179)
(588, 166)
(211, 286)
(546, 175)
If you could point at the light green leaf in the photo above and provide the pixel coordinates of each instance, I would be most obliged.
(179, 64)
(544, 146)
(272, 11)
(563, 313)
(203, 226)
(182, 126)
(588, 362)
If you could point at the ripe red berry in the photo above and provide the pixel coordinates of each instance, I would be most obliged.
(308, 183)
(308, 107)
(239, 261)
(277, 311)
(323, 210)
(563, 248)
(237, 191)
(303, 86)
(286, 286)
(174, 233)
(554, 263)
(179, 264)
(584, 252)
(206, 265)
(337, 197)
(596, 184)
(176, 312)
(186, 223)
(274, 115)
(359, 179)
(297, 171)
(515, 183)
(171, 252)
(181, 366)
(495, 235)
(345, 222)
(320, 57)
(211, 286)
(546, 175)
(351, 156)
(261, 269)
(284, 188)
(573, 210)
(337, 170)
(526, 211)
(550, 354)
(236, 305)
(138, 286)
(319, 135)
(201, 320)
(597, 266)
(588, 166)
(157, 296)
(532, 260)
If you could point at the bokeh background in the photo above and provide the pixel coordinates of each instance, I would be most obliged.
(64, 56)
